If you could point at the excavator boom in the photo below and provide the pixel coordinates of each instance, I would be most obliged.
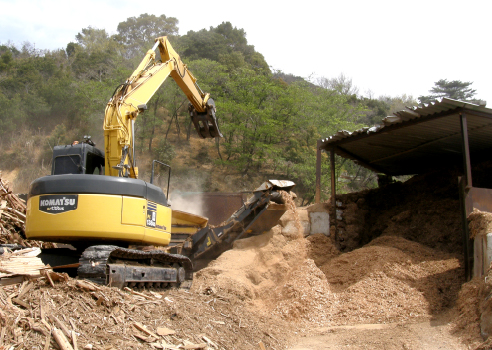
(131, 97)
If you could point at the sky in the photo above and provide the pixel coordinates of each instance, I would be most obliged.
(386, 47)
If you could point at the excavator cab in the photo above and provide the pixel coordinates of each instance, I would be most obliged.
(78, 158)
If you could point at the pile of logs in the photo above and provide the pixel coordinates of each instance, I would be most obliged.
(12, 215)
(19, 265)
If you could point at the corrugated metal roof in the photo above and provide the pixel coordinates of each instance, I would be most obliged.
(416, 139)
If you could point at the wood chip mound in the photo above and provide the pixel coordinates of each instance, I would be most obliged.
(307, 282)
(473, 313)
(479, 223)
(466, 322)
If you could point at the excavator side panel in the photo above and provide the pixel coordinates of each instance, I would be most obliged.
(95, 217)
(133, 211)
(101, 218)
(158, 224)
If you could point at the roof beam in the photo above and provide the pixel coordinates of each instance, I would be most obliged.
(389, 128)
(346, 154)
(477, 113)
(427, 144)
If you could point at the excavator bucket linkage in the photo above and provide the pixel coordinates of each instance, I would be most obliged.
(205, 123)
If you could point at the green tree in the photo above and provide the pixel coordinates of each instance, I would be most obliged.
(455, 89)
(22, 86)
(93, 39)
(341, 84)
(96, 55)
(6, 58)
(138, 33)
(383, 106)
(225, 44)
(247, 109)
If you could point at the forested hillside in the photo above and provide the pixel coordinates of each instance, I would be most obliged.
(270, 120)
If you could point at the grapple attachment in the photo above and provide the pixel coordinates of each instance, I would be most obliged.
(205, 123)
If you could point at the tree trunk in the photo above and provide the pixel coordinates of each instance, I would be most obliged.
(188, 131)
(169, 127)
(178, 129)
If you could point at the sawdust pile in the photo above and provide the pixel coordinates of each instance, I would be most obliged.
(304, 296)
(424, 209)
(472, 316)
(255, 266)
(392, 279)
(479, 223)
(389, 280)
(321, 249)
(466, 322)
(474, 305)
(472, 319)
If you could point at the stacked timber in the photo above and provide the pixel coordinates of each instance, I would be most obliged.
(12, 215)
(16, 265)
(13, 219)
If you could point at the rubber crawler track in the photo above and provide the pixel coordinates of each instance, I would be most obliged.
(94, 260)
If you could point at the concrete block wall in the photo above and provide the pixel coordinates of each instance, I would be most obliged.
(313, 219)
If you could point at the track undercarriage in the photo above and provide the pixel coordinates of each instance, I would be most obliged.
(121, 267)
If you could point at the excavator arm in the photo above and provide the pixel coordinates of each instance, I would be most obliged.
(131, 97)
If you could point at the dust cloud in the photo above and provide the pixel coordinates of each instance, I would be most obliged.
(190, 203)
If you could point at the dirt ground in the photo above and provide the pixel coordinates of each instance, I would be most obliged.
(428, 335)
(267, 289)
(402, 289)
(392, 291)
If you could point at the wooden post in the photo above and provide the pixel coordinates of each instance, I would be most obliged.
(466, 184)
(467, 252)
(317, 196)
(334, 189)
(466, 151)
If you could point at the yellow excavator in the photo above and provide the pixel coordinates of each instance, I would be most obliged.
(103, 215)
(94, 202)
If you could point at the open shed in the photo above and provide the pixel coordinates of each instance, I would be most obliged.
(418, 140)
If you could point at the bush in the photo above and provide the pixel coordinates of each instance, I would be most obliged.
(22, 151)
(164, 152)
